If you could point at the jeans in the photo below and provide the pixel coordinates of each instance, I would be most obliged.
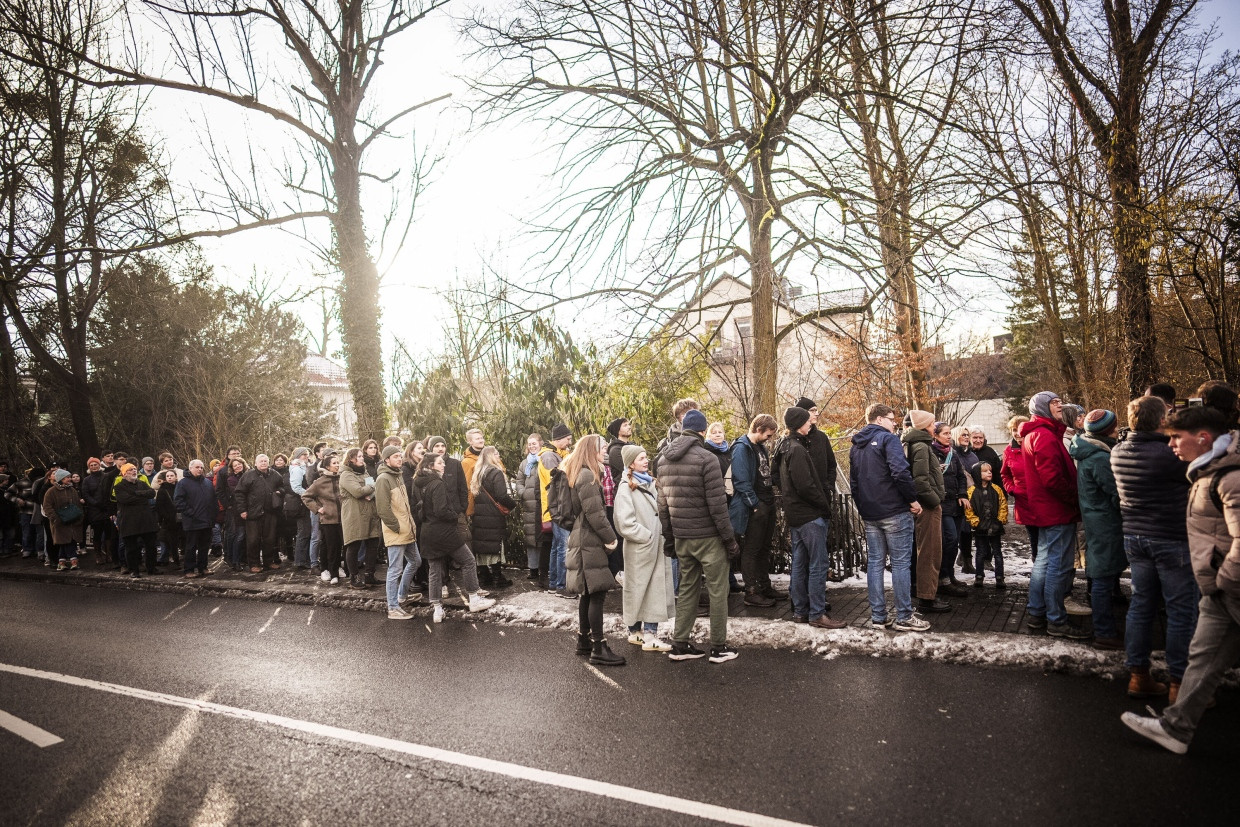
(1215, 649)
(1050, 581)
(400, 576)
(890, 538)
(647, 626)
(951, 546)
(559, 543)
(316, 539)
(808, 584)
(234, 541)
(32, 536)
(1159, 566)
(301, 543)
(437, 570)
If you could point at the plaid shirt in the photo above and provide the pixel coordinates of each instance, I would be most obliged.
(609, 487)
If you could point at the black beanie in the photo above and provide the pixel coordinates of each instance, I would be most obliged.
(806, 403)
(795, 417)
(614, 427)
(560, 431)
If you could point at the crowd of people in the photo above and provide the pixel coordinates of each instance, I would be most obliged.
(673, 527)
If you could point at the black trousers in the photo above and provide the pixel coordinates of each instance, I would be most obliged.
(372, 556)
(590, 614)
(105, 538)
(197, 545)
(544, 557)
(756, 547)
(331, 537)
(260, 541)
(135, 545)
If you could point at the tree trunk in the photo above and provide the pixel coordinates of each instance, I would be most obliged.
(1132, 256)
(762, 299)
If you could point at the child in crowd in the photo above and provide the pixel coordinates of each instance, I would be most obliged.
(987, 513)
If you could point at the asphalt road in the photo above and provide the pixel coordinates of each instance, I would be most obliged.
(783, 735)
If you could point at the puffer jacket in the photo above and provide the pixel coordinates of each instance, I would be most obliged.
(259, 493)
(358, 518)
(490, 526)
(456, 484)
(134, 514)
(1214, 535)
(441, 528)
(956, 482)
(1013, 476)
(800, 484)
(531, 505)
(927, 472)
(878, 474)
(692, 502)
(1049, 476)
(407, 472)
(1099, 499)
(1153, 488)
(392, 506)
(324, 493)
(585, 556)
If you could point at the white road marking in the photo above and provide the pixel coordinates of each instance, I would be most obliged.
(428, 627)
(603, 789)
(309, 616)
(216, 609)
(603, 677)
(178, 608)
(475, 625)
(267, 625)
(35, 735)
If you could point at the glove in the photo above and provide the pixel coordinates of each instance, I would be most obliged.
(733, 549)
(669, 548)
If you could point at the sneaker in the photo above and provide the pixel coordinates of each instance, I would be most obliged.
(1074, 608)
(651, 643)
(1152, 728)
(913, 624)
(1068, 631)
(411, 599)
(636, 639)
(881, 625)
(478, 603)
(63, 565)
(437, 617)
(342, 573)
(443, 593)
(326, 577)
(567, 595)
(335, 581)
(1035, 622)
(722, 654)
(685, 651)
(73, 564)
(399, 614)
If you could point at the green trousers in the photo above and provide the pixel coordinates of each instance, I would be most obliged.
(698, 557)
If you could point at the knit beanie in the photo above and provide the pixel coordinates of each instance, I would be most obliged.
(694, 421)
(614, 427)
(806, 403)
(433, 441)
(921, 420)
(629, 453)
(560, 431)
(300, 452)
(125, 468)
(1100, 421)
(61, 475)
(389, 451)
(1040, 404)
(795, 417)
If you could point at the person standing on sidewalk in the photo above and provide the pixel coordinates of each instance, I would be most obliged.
(955, 500)
(551, 557)
(807, 512)
(693, 510)
(752, 510)
(1013, 476)
(359, 521)
(489, 488)
(399, 534)
(1052, 506)
(257, 498)
(1153, 498)
(649, 598)
(194, 497)
(928, 478)
(1100, 514)
(60, 498)
(531, 505)
(1199, 435)
(322, 497)
(135, 520)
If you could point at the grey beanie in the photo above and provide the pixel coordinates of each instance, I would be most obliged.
(629, 453)
(300, 452)
(1040, 404)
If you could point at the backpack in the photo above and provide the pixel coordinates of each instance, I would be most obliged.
(1215, 480)
(560, 500)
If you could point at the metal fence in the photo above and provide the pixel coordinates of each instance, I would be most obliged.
(845, 540)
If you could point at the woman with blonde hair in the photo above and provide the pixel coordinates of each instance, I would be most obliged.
(649, 598)
(492, 502)
(585, 558)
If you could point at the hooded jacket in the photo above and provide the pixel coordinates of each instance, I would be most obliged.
(1152, 485)
(956, 482)
(804, 499)
(878, 475)
(692, 502)
(585, 555)
(1099, 499)
(358, 518)
(751, 481)
(1214, 535)
(1049, 477)
(324, 493)
(392, 506)
(531, 503)
(1013, 475)
(987, 508)
(441, 527)
(927, 471)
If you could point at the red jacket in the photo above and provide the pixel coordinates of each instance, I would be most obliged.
(1049, 475)
(1013, 474)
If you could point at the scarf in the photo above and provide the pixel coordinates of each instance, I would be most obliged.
(722, 446)
(1217, 450)
(644, 479)
(531, 460)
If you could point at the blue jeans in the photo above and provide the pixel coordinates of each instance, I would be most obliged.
(808, 584)
(890, 538)
(32, 536)
(234, 541)
(1049, 582)
(556, 578)
(400, 576)
(1159, 565)
(951, 546)
(314, 539)
(301, 542)
(652, 628)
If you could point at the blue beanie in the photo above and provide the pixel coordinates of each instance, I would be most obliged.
(694, 421)
(1099, 421)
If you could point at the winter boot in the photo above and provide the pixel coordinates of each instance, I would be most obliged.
(498, 578)
(583, 644)
(966, 564)
(603, 656)
(1141, 685)
(484, 577)
(754, 597)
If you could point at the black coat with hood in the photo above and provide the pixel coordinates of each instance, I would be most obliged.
(440, 534)
(955, 480)
(800, 483)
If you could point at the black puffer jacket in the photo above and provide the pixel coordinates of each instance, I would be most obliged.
(455, 485)
(955, 481)
(259, 493)
(822, 454)
(440, 534)
(134, 514)
(692, 502)
(800, 483)
(1153, 488)
(407, 472)
(490, 526)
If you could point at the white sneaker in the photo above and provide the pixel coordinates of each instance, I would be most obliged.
(326, 577)
(411, 599)
(399, 614)
(343, 573)
(1152, 728)
(335, 581)
(478, 603)
(1073, 608)
(651, 643)
(913, 624)
(636, 638)
(437, 617)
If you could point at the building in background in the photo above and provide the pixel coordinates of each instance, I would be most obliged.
(327, 377)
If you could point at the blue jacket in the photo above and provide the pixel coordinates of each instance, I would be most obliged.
(195, 499)
(880, 479)
(749, 487)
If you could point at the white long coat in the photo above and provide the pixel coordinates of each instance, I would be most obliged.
(648, 594)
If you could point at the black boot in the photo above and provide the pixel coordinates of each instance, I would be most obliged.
(484, 577)
(603, 656)
(498, 578)
(533, 575)
(583, 643)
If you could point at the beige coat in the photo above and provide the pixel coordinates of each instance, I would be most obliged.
(1214, 536)
(648, 594)
(392, 503)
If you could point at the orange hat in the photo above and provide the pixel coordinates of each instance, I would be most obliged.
(125, 468)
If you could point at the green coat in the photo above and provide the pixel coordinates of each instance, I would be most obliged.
(358, 518)
(1099, 498)
(926, 468)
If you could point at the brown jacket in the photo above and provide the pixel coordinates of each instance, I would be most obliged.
(1213, 535)
(58, 496)
(324, 493)
(585, 558)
